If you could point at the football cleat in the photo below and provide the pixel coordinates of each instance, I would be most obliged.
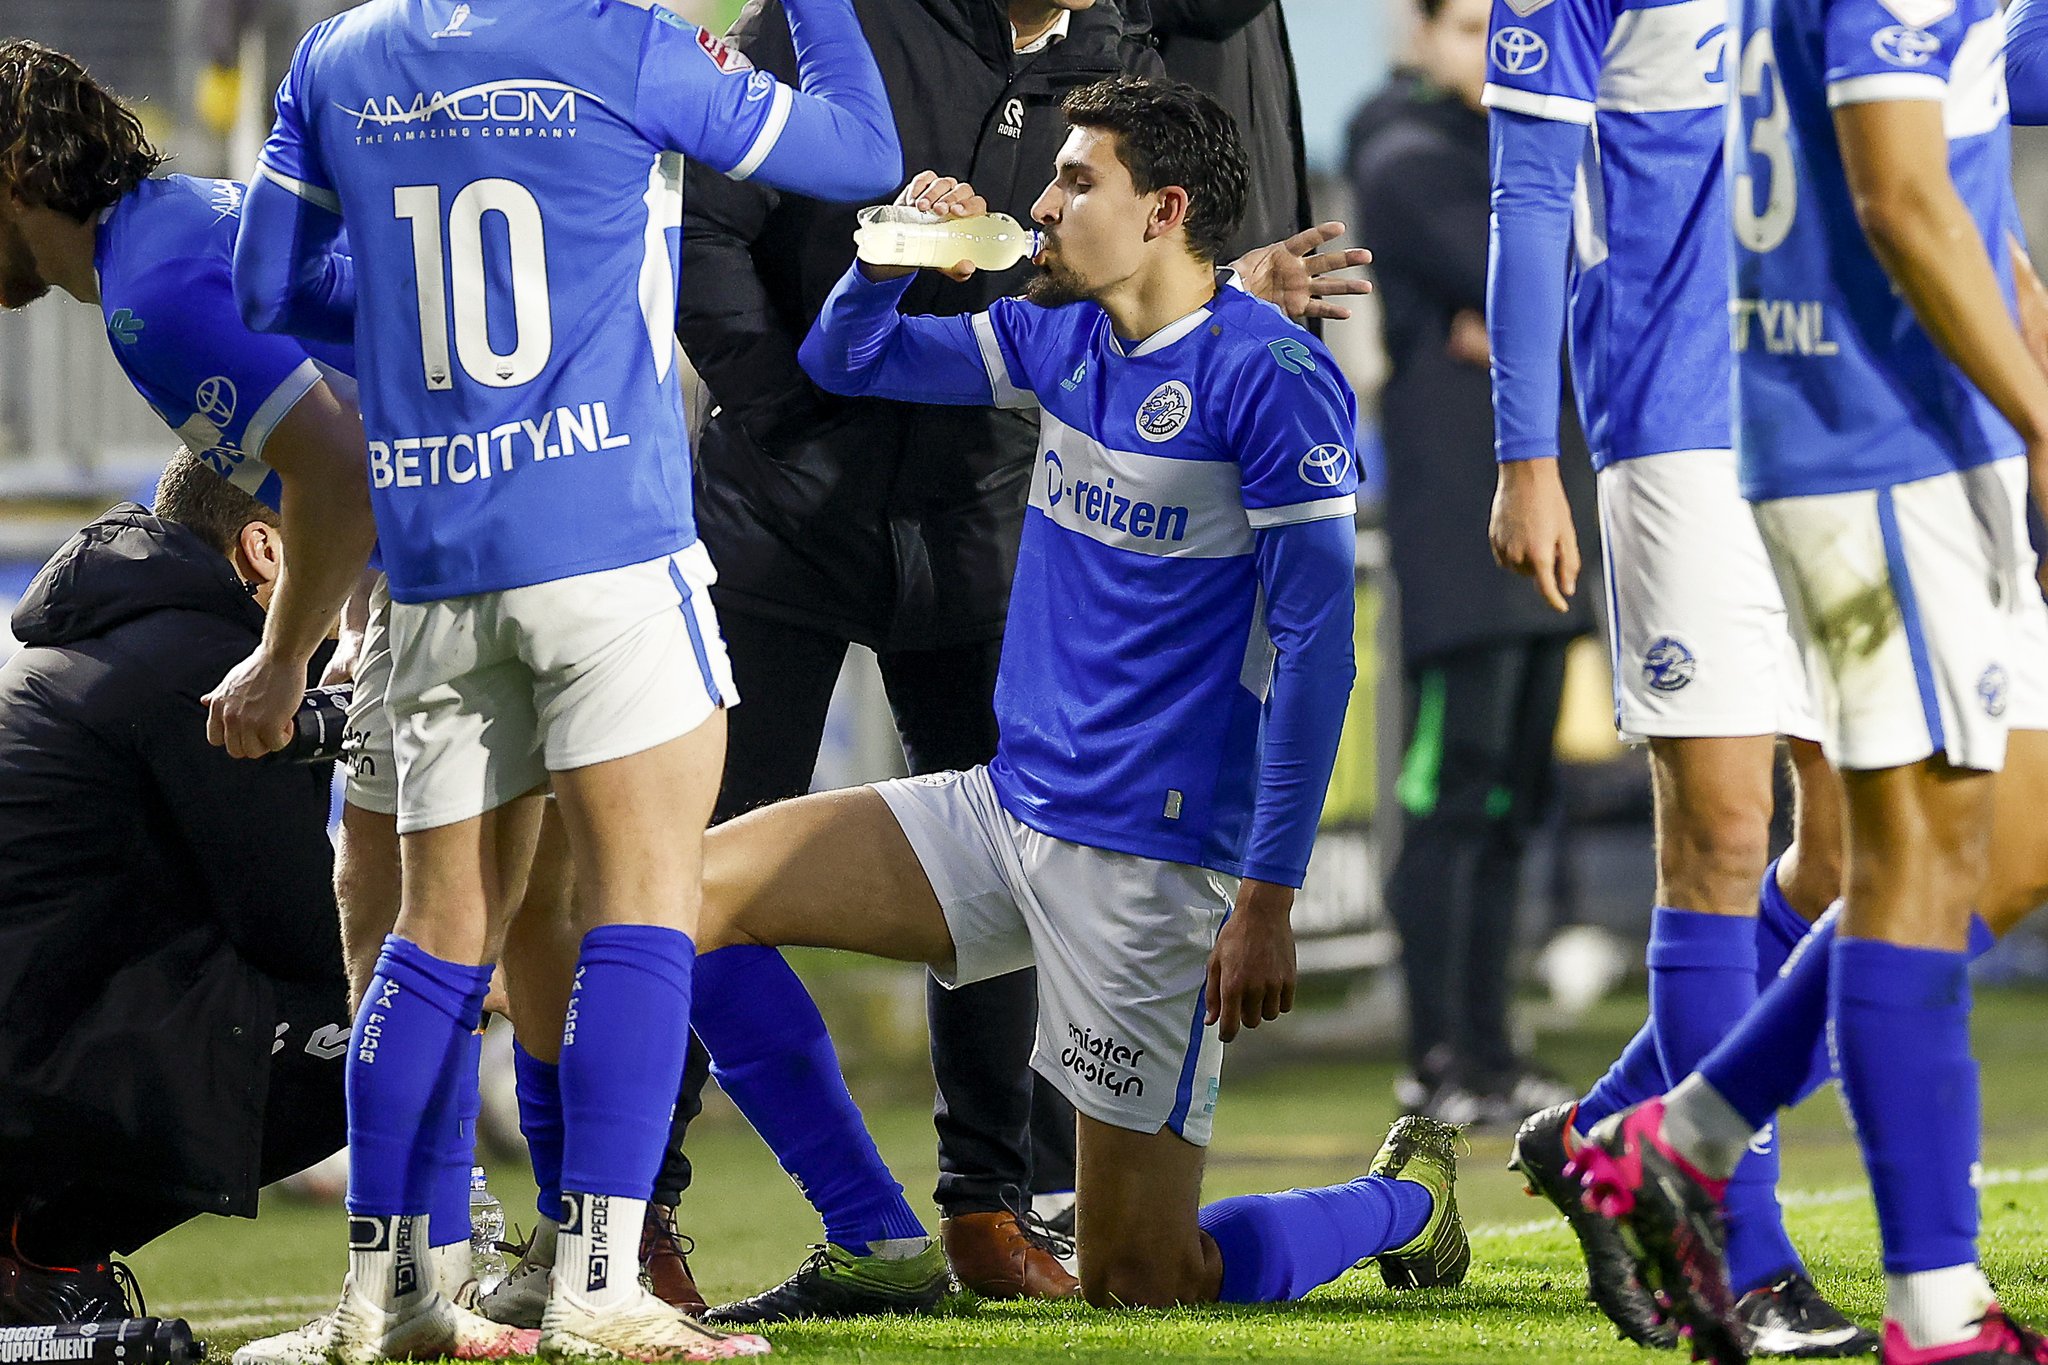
(1999, 1341)
(835, 1283)
(1669, 1217)
(641, 1328)
(521, 1297)
(1791, 1319)
(1543, 1149)
(358, 1331)
(1425, 1152)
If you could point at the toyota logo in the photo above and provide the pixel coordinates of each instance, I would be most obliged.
(1519, 52)
(215, 400)
(1902, 46)
(1326, 466)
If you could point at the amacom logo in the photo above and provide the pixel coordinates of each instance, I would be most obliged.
(492, 102)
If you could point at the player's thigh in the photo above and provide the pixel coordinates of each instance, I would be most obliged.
(1697, 622)
(635, 829)
(1137, 1197)
(366, 889)
(834, 870)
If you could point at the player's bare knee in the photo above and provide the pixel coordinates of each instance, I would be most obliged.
(1710, 857)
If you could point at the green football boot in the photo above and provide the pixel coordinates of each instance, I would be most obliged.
(1425, 1152)
(835, 1283)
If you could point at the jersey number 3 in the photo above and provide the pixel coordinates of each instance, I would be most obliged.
(1765, 229)
(457, 273)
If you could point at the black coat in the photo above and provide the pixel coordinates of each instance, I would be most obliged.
(1419, 172)
(151, 887)
(1237, 50)
(892, 524)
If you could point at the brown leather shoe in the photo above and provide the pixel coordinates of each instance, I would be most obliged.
(996, 1256)
(664, 1257)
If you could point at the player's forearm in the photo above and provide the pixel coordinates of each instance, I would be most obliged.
(840, 142)
(1309, 575)
(1929, 245)
(1534, 162)
(861, 347)
(327, 522)
(288, 277)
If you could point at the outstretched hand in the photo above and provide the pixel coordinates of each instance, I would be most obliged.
(1298, 276)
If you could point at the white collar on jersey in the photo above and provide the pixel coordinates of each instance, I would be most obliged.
(1164, 337)
(1056, 34)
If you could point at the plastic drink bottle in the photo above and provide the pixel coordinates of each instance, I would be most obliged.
(891, 234)
(487, 1230)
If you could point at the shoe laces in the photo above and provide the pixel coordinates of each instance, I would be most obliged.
(1035, 1228)
(659, 1234)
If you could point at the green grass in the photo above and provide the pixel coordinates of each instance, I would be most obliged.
(1293, 1125)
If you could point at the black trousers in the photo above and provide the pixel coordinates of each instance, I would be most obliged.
(1475, 780)
(305, 1120)
(999, 1125)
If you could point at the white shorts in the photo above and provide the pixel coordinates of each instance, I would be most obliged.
(1918, 612)
(366, 742)
(489, 694)
(1121, 944)
(1696, 624)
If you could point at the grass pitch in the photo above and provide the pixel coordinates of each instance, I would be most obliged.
(1311, 1124)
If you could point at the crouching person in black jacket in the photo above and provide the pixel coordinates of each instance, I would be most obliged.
(173, 1008)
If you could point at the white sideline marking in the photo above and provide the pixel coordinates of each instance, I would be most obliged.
(1791, 1199)
(292, 1308)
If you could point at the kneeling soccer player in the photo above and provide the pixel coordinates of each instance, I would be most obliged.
(1173, 684)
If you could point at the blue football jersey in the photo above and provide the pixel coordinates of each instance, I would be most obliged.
(1649, 272)
(509, 175)
(1136, 663)
(164, 258)
(1838, 386)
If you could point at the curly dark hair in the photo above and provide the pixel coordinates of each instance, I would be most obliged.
(191, 494)
(66, 143)
(1170, 133)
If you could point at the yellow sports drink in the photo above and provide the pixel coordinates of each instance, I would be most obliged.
(892, 234)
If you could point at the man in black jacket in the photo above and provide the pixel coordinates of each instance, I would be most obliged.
(895, 526)
(1237, 50)
(1484, 657)
(173, 1008)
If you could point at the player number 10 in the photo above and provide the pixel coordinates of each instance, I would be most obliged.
(458, 273)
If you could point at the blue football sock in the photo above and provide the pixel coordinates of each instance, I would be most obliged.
(1900, 1019)
(622, 1057)
(1278, 1247)
(1702, 983)
(539, 1085)
(450, 1218)
(1759, 1250)
(408, 1049)
(1702, 979)
(1766, 1061)
(772, 1057)
(1779, 931)
(1636, 1075)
